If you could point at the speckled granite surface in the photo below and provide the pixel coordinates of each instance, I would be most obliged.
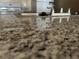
(21, 38)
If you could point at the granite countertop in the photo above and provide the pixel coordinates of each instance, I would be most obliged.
(39, 38)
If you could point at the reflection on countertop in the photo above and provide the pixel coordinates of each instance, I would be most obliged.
(40, 23)
(39, 37)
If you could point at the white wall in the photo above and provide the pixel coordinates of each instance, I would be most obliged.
(25, 3)
(42, 6)
(10, 0)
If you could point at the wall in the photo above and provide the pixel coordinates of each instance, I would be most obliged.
(10, 0)
(42, 6)
(33, 5)
(25, 3)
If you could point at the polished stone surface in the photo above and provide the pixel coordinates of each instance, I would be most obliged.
(39, 37)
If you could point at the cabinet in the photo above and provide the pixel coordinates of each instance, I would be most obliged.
(66, 4)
